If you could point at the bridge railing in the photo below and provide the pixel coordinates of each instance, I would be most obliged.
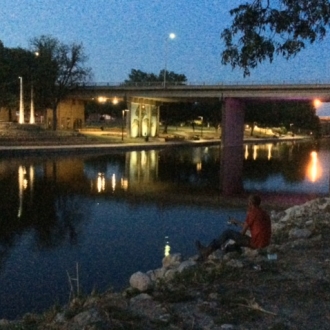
(210, 83)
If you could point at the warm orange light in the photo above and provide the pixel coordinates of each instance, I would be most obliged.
(270, 147)
(246, 154)
(255, 151)
(102, 99)
(317, 103)
(314, 170)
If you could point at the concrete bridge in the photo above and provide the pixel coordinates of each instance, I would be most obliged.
(143, 101)
(175, 93)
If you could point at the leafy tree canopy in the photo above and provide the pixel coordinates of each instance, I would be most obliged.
(138, 76)
(261, 29)
(283, 114)
(60, 68)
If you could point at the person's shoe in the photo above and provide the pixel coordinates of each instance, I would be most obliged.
(204, 251)
(233, 248)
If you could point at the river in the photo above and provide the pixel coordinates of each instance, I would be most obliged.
(113, 214)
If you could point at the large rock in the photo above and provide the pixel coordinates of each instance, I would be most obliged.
(186, 264)
(86, 317)
(300, 233)
(144, 305)
(156, 273)
(140, 281)
(172, 260)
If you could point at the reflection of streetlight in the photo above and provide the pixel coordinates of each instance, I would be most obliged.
(122, 124)
(171, 36)
(201, 118)
(314, 169)
(21, 104)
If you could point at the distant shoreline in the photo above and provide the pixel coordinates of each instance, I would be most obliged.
(119, 145)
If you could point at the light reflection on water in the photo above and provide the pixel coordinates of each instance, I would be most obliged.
(118, 213)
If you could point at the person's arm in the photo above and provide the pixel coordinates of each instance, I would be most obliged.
(235, 222)
(245, 228)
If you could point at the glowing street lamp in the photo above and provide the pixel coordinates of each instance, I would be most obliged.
(317, 103)
(32, 117)
(21, 104)
(170, 36)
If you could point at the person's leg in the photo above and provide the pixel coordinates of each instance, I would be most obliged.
(239, 239)
(204, 251)
(229, 234)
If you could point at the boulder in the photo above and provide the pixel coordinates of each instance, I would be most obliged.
(156, 273)
(86, 317)
(186, 264)
(140, 281)
(172, 260)
(299, 233)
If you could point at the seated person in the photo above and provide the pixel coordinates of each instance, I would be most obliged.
(257, 221)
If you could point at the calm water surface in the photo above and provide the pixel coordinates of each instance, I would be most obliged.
(115, 214)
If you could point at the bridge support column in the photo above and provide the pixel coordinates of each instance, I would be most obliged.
(143, 118)
(232, 134)
(232, 123)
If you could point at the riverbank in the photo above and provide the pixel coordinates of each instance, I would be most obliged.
(24, 139)
(235, 291)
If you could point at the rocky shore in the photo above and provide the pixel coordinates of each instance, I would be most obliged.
(286, 286)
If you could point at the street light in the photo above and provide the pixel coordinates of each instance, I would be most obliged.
(21, 104)
(170, 36)
(122, 124)
(32, 115)
(32, 118)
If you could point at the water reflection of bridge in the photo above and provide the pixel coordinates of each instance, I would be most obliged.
(148, 174)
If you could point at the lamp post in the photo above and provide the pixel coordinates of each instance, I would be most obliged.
(122, 124)
(21, 104)
(32, 117)
(170, 36)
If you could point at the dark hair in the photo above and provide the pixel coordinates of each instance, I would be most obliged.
(255, 200)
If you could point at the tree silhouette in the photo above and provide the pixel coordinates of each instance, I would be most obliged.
(262, 28)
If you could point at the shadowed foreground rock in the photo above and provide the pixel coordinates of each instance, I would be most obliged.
(235, 291)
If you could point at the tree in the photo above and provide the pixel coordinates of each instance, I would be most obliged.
(60, 69)
(291, 115)
(263, 28)
(138, 76)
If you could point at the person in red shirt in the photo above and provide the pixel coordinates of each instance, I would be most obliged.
(257, 222)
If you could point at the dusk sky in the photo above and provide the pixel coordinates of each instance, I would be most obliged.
(120, 35)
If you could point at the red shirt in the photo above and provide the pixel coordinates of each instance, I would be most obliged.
(260, 227)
